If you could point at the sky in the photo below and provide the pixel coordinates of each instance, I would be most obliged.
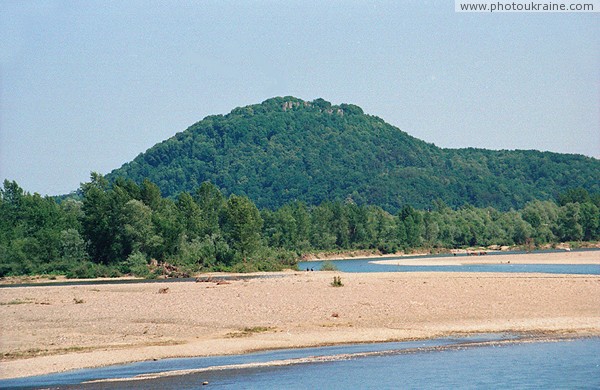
(86, 86)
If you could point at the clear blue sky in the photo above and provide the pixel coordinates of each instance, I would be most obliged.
(88, 85)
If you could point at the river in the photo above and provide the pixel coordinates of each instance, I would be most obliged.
(479, 362)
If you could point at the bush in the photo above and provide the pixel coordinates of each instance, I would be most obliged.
(337, 281)
(267, 260)
(197, 254)
(328, 266)
(244, 267)
(89, 270)
(83, 270)
(387, 247)
(137, 265)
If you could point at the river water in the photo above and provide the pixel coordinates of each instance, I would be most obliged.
(484, 362)
(366, 265)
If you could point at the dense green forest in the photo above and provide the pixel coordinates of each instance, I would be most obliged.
(287, 150)
(121, 227)
(263, 185)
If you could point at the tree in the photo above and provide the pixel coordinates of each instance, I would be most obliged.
(541, 215)
(72, 213)
(139, 233)
(169, 228)
(590, 221)
(102, 223)
(150, 194)
(281, 229)
(242, 225)
(190, 216)
(431, 229)
(358, 226)
(73, 248)
(12, 196)
(568, 226)
(211, 202)
(413, 225)
(574, 195)
(385, 230)
(321, 228)
(522, 230)
(30, 231)
(340, 225)
(301, 216)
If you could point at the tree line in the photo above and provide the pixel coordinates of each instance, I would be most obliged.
(121, 227)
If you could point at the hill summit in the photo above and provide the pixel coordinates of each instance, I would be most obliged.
(287, 149)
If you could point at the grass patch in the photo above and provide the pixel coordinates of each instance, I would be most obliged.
(34, 352)
(18, 302)
(249, 331)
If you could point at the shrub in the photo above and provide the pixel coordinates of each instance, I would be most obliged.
(89, 270)
(328, 266)
(337, 281)
(83, 270)
(137, 265)
(244, 267)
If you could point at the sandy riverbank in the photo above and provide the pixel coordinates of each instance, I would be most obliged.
(57, 328)
(373, 254)
(585, 257)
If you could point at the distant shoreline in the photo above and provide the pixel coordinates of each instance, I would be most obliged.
(504, 251)
(47, 329)
(576, 257)
(352, 255)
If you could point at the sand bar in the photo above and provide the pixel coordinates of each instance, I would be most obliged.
(49, 329)
(583, 257)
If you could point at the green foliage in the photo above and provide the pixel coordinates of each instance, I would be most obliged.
(206, 253)
(328, 266)
(31, 232)
(211, 203)
(73, 248)
(139, 234)
(286, 149)
(590, 220)
(337, 281)
(89, 270)
(102, 208)
(267, 259)
(411, 226)
(136, 265)
(242, 225)
(541, 216)
(121, 228)
(569, 223)
(574, 195)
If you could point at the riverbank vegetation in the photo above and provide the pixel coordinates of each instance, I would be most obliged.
(117, 228)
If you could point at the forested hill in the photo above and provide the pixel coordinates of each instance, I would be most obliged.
(288, 149)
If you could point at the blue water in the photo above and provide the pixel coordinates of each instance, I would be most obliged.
(129, 370)
(565, 365)
(454, 364)
(365, 265)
